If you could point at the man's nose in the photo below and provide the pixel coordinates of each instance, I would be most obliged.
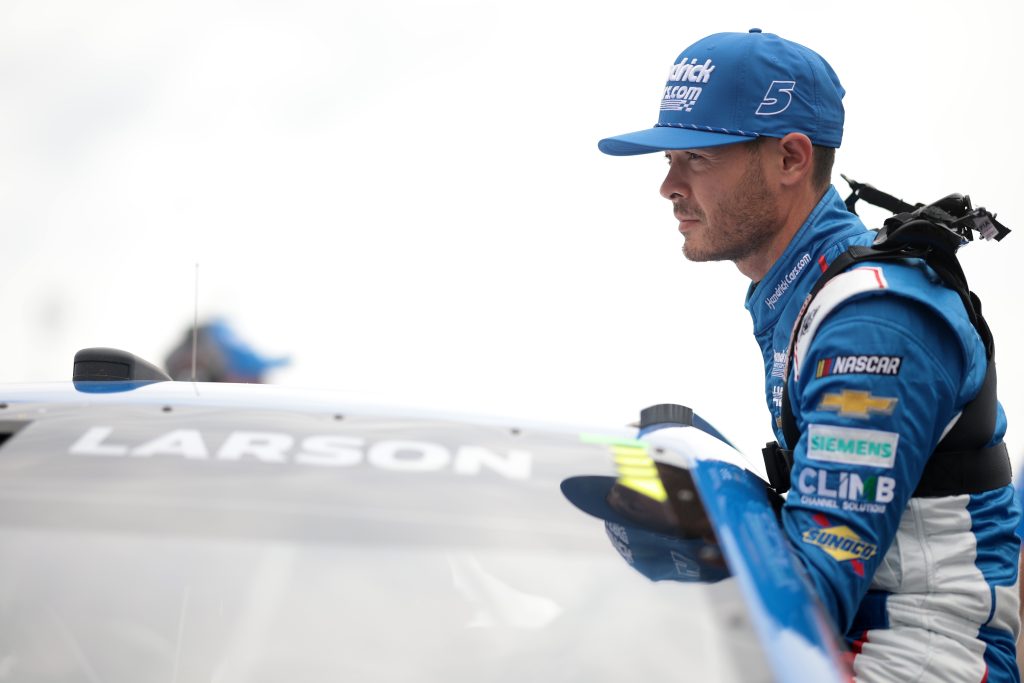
(675, 184)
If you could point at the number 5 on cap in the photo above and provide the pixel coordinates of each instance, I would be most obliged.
(777, 99)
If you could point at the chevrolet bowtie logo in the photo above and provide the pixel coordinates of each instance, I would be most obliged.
(859, 404)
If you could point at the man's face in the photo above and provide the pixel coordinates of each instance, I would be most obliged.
(725, 208)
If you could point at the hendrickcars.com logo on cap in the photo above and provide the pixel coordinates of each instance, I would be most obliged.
(688, 77)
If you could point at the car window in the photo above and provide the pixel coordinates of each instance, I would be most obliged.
(207, 547)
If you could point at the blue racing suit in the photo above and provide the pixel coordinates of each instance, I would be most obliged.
(885, 360)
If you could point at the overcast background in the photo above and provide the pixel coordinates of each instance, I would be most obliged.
(407, 197)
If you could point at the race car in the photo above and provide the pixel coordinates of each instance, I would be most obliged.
(158, 530)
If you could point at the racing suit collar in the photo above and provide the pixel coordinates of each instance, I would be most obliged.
(805, 252)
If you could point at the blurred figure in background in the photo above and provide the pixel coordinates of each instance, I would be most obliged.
(221, 356)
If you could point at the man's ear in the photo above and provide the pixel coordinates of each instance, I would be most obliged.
(795, 158)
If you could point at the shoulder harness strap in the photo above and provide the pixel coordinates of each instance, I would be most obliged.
(961, 462)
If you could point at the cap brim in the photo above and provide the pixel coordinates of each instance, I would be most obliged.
(663, 138)
(590, 494)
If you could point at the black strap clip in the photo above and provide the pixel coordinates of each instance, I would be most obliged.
(778, 463)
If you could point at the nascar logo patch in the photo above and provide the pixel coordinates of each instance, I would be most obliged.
(858, 365)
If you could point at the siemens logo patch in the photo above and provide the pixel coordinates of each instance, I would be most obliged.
(859, 365)
(852, 446)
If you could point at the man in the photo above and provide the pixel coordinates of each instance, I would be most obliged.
(923, 583)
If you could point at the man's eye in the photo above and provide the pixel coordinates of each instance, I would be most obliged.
(690, 156)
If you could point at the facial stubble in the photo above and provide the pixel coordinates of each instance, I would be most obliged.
(745, 221)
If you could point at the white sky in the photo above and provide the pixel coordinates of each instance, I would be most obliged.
(407, 197)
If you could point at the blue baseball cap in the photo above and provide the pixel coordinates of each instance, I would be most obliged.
(656, 555)
(240, 358)
(735, 87)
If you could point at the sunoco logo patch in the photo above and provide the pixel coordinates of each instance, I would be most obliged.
(840, 543)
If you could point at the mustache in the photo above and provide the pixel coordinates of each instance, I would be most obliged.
(683, 211)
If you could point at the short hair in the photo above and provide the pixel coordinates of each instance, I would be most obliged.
(821, 166)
